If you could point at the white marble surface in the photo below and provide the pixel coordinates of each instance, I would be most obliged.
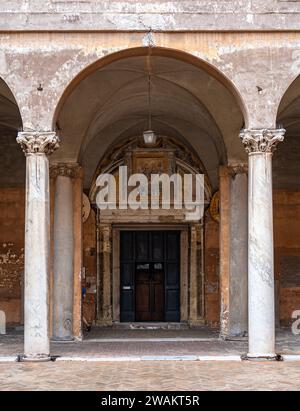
(261, 257)
(37, 242)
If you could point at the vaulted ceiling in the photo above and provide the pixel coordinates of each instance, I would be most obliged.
(111, 103)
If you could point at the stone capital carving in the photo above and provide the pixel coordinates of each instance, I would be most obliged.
(236, 169)
(261, 140)
(64, 170)
(36, 142)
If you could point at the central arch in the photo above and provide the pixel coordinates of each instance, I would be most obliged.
(115, 88)
(195, 106)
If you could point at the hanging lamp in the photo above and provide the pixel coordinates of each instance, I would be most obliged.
(149, 135)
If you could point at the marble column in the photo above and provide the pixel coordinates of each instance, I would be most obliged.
(63, 264)
(37, 146)
(238, 288)
(234, 250)
(260, 145)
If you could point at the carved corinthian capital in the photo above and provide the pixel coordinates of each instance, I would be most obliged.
(262, 140)
(36, 142)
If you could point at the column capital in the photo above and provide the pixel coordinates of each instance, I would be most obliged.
(38, 142)
(261, 140)
(64, 170)
(236, 169)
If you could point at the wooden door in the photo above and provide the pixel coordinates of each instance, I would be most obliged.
(150, 276)
(150, 292)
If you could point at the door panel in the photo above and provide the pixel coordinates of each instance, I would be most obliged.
(149, 294)
(143, 292)
(150, 276)
(127, 246)
(142, 246)
(173, 245)
(157, 293)
(157, 246)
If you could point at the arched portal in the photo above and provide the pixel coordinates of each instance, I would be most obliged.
(193, 106)
(12, 210)
(287, 207)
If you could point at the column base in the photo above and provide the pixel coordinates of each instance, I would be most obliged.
(34, 358)
(262, 357)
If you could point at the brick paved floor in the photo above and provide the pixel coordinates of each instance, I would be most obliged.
(108, 343)
(135, 376)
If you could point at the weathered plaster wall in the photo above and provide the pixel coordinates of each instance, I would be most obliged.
(260, 66)
(11, 252)
(141, 14)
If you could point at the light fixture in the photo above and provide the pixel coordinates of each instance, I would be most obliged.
(149, 138)
(149, 135)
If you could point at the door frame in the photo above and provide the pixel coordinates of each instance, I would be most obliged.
(184, 264)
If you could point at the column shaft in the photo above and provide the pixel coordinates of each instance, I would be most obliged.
(37, 243)
(238, 290)
(36, 337)
(260, 144)
(261, 257)
(63, 267)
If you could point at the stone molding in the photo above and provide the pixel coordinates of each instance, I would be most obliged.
(163, 15)
(261, 140)
(37, 143)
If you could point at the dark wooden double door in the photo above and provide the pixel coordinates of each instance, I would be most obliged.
(150, 276)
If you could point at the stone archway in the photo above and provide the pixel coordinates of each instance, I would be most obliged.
(108, 102)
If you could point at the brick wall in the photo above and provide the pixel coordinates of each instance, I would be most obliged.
(11, 252)
(287, 253)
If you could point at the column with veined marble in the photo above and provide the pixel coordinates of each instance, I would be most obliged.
(37, 146)
(260, 145)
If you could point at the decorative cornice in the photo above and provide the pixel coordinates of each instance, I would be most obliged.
(36, 142)
(64, 170)
(261, 140)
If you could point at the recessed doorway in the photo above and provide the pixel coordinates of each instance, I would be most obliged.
(150, 276)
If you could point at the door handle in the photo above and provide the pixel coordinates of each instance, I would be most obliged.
(126, 288)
